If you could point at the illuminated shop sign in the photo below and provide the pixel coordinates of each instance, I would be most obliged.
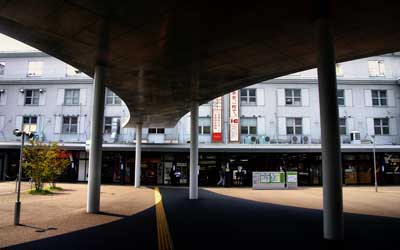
(234, 116)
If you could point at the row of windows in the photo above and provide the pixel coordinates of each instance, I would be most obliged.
(294, 126)
(248, 126)
(71, 97)
(375, 68)
(247, 97)
(35, 69)
(70, 125)
(293, 97)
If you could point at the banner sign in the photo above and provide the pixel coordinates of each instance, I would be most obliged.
(217, 119)
(291, 179)
(234, 116)
(268, 180)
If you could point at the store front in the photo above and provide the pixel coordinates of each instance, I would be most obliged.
(357, 169)
(209, 168)
(172, 168)
(390, 167)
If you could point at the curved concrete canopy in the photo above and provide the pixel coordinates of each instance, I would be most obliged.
(165, 54)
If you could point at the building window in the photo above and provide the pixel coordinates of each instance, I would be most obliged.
(35, 68)
(294, 126)
(248, 126)
(342, 126)
(2, 68)
(29, 123)
(70, 125)
(72, 71)
(376, 68)
(108, 123)
(381, 126)
(248, 96)
(379, 97)
(112, 98)
(340, 97)
(339, 69)
(293, 97)
(71, 97)
(31, 97)
(156, 130)
(204, 125)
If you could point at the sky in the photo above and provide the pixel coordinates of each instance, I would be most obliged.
(9, 44)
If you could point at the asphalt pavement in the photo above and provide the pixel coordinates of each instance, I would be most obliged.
(217, 221)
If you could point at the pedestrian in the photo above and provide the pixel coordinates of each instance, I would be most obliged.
(221, 181)
(178, 175)
(172, 175)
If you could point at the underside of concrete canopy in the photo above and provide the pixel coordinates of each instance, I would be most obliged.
(165, 54)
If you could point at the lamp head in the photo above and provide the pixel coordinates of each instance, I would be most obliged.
(17, 132)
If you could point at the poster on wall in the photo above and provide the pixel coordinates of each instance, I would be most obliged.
(217, 119)
(234, 116)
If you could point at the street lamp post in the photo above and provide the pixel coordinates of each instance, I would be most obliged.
(376, 180)
(17, 211)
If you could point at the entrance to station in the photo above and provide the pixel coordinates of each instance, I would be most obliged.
(2, 167)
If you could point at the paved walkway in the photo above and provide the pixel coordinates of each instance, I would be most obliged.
(163, 218)
(127, 219)
(10, 187)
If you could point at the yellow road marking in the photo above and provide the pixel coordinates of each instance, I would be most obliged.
(163, 234)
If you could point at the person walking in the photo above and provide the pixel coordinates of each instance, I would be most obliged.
(172, 176)
(178, 176)
(221, 173)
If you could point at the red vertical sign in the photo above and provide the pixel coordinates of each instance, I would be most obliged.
(217, 120)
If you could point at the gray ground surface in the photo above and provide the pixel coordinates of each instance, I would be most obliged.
(235, 218)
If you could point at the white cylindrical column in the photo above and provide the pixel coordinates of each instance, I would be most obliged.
(138, 154)
(330, 139)
(96, 137)
(194, 151)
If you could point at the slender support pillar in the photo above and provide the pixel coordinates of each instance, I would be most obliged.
(96, 137)
(138, 154)
(330, 139)
(194, 151)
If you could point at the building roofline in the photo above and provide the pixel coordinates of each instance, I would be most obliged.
(356, 81)
(49, 81)
(22, 54)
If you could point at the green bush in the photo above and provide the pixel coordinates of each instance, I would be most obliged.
(44, 163)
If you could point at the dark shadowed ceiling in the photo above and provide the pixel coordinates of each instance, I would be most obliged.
(165, 54)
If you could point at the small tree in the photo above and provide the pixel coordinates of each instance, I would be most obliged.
(44, 163)
(35, 164)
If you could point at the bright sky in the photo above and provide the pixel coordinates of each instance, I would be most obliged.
(9, 44)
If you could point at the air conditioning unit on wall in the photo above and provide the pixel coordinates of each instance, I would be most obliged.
(295, 139)
(264, 140)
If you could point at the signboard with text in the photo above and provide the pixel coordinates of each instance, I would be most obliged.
(291, 179)
(217, 119)
(268, 180)
(234, 116)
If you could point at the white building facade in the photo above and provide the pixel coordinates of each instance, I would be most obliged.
(277, 119)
